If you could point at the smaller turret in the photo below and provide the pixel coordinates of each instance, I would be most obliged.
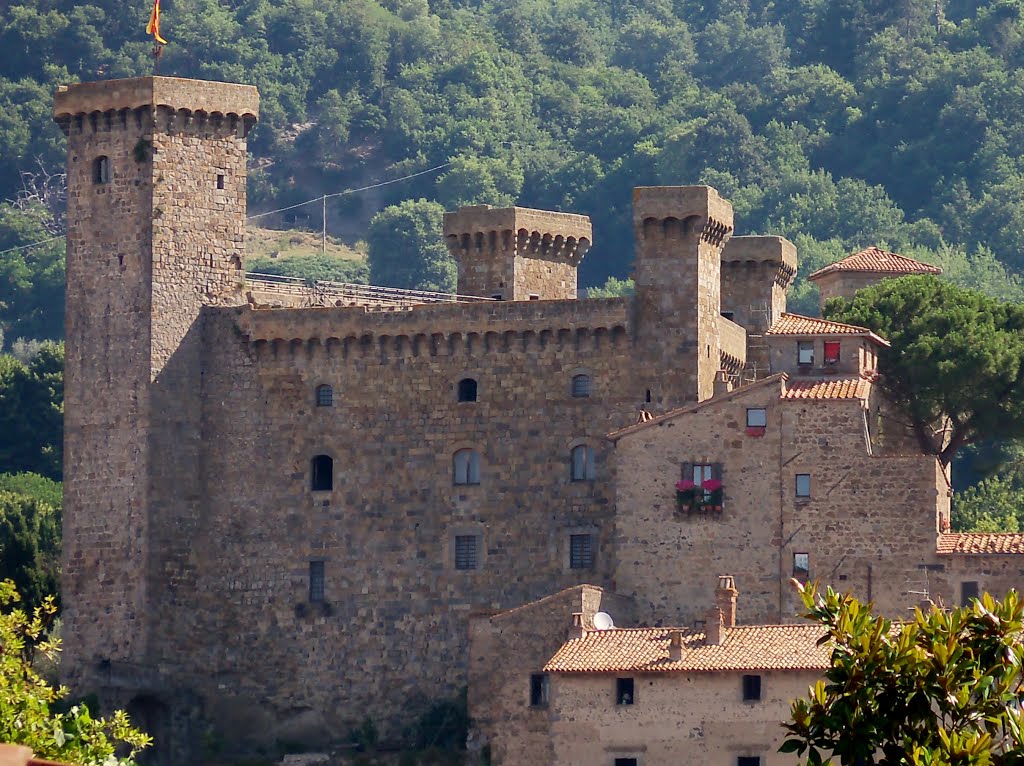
(516, 253)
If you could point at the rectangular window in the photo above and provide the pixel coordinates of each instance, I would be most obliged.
(805, 352)
(625, 762)
(831, 352)
(623, 691)
(757, 417)
(539, 690)
(581, 551)
(751, 688)
(466, 550)
(748, 760)
(220, 181)
(803, 485)
(316, 581)
(802, 566)
(968, 592)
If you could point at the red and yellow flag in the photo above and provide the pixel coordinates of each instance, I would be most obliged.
(153, 27)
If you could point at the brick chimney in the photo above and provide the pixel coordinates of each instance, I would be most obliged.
(725, 599)
(675, 645)
(578, 629)
(713, 626)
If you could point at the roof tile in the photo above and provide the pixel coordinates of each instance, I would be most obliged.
(874, 259)
(820, 390)
(796, 324)
(747, 647)
(981, 542)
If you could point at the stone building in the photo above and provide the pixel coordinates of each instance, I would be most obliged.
(283, 503)
(845, 277)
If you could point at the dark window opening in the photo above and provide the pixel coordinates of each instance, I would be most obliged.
(101, 170)
(647, 398)
(316, 581)
(581, 551)
(467, 390)
(534, 297)
(497, 296)
(831, 352)
(625, 762)
(322, 473)
(539, 690)
(580, 386)
(466, 551)
(220, 181)
(751, 688)
(748, 760)
(324, 396)
(968, 592)
(623, 691)
(805, 352)
(729, 315)
(466, 467)
(584, 461)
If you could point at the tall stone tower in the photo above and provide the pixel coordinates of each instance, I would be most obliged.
(156, 225)
(516, 253)
(679, 233)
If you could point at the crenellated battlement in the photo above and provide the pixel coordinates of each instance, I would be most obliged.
(176, 104)
(767, 258)
(517, 253)
(440, 329)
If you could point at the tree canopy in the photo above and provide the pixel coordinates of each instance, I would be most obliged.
(32, 412)
(407, 249)
(942, 688)
(956, 365)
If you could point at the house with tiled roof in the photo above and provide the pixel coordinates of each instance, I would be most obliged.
(845, 277)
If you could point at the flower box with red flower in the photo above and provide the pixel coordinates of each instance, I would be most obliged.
(755, 430)
(686, 495)
(712, 496)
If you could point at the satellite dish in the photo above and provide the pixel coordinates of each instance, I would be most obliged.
(603, 621)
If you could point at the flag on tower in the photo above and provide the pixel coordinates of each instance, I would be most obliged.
(153, 27)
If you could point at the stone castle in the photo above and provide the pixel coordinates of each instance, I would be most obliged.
(283, 505)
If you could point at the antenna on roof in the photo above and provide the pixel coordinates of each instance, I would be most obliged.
(603, 621)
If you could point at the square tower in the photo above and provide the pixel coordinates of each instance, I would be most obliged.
(156, 231)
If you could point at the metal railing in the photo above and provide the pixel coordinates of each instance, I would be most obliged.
(327, 293)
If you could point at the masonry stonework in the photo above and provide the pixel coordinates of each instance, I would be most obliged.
(246, 558)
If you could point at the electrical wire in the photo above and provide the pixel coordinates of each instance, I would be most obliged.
(32, 244)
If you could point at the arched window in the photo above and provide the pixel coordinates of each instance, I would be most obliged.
(467, 390)
(584, 463)
(466, 467)
(324, 396)
(101, 170)
(581, 385)
(322, 473)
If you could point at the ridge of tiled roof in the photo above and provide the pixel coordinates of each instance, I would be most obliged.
(875, 259)
(744, 647)
(833, 389)
(981, 542)
(775, 379)
(797, 324)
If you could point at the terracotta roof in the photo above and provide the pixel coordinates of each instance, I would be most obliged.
(820, 390)
(795, 324)
(748, 647)
(981, 542)
(880, 261)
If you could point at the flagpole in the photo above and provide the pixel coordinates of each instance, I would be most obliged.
(158, 50)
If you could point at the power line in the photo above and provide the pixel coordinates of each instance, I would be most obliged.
(32, 244)
(323, 197)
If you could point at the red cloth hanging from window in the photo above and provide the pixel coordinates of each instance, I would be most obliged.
(831, 351)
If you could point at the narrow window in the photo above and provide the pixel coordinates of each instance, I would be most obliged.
(316, 581)
(751, 688)
(748, 760)
(581, 551)
(625, 762)
(802, 566)
(831, 352)
(583, 463)
(623, 691)
(581, 386)
(322, 473)
(757, 417)
(538, 690)
(466, 467)
(467, 390)
(497, 296)
(220, 180)
(803, 485)
(968, 592)
(324, 396)
(101, 170)
(805, 352)
(467, 549)
(534, 297)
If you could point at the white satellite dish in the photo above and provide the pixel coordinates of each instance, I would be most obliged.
(603, 621)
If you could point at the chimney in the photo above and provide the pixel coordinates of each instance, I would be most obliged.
(713, 626)
(675, 645)
(725, 599)
(578, 629)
